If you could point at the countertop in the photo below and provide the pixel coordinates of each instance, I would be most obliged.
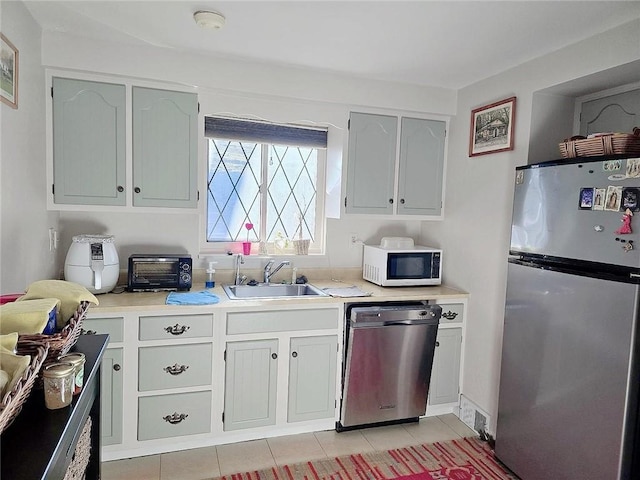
(152, 300)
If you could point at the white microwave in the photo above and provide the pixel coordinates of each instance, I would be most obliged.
(397, 262)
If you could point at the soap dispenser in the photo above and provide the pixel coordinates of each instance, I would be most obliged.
(211, 272)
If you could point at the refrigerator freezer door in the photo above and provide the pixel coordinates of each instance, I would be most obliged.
(547, 219)
(565, 368)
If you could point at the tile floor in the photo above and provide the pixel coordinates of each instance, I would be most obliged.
(209, 462)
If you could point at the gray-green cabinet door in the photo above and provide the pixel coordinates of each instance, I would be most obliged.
(88, 142)
(615, 113)
(371, 163)
(165, 148)
(250, 384)
(421, 166)
(312, 378)
(445, 374)
(111, 397)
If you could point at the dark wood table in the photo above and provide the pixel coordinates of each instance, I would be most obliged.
(40, 443)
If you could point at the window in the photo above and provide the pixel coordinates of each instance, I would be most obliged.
(271, 176)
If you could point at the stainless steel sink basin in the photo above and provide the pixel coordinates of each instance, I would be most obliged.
(272, 290)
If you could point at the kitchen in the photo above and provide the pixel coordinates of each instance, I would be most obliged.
(478, 191)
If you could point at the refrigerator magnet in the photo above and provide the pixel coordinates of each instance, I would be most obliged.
(586, 198)
(599, 195)
(633, 168)
(613, 200)
(612, 165)
(630, 197)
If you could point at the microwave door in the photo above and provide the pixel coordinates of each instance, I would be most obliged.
(404, 266)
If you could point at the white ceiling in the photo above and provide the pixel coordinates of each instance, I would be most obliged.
(437, 43)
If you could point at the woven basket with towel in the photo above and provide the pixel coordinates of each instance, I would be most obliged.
(601, 144)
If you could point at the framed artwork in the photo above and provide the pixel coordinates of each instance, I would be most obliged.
(492, 127)
(8, 72)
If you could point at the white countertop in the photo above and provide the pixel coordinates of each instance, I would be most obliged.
(153, 300)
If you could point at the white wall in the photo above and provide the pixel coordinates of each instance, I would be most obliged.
(254, 90)
(479, 194)
(24, 220)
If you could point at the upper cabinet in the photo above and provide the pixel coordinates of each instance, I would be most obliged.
(92, 164)
(165, 153)
(395, 171)
(88, 142)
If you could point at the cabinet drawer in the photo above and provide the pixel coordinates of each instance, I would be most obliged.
(281, 321)
(163, 416)
(112, 326)
(174, 366)
(452, 313)
(164, 327)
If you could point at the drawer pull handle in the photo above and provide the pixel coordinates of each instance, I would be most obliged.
(116, 367)
(176, 369)
(87, 332)
(175, 418)
(450, 315)
(177, 329)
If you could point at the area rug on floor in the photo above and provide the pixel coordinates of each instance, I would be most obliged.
(463, 459)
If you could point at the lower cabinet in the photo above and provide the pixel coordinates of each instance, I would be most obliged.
(111, 397)
(250, 384)
(312, 378)
(445, 374)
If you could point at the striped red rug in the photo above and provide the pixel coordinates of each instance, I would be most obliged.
(463, 459)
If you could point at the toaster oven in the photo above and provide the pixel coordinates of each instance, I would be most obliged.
(159, 272)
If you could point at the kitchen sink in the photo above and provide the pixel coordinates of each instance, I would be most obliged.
(272, 290)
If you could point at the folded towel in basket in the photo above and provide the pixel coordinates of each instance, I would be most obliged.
(192, 298)
(70, 294)
(28, 317)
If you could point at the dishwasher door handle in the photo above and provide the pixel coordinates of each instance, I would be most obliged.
(395, 323)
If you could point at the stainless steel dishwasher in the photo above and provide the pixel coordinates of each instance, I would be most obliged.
(388, 358)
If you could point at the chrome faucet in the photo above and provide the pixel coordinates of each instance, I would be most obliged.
(268, 271)
(239, 279)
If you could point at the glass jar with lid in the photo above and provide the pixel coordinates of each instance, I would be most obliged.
(77, 360)
(59, 381)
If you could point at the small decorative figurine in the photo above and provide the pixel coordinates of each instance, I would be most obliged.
(626, 223)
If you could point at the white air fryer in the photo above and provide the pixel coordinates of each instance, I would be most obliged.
(92, 261)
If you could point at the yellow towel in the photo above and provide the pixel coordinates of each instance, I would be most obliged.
(69, 293)
(26, 317)
(14, 365)
(9, 341)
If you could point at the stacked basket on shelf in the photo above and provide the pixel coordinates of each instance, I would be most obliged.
(601, 144)
(45, 348)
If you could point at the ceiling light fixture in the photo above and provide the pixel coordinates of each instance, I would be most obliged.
(209, 20)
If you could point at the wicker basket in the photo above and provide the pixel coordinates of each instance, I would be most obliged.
(59, 343)
(12, 402)
(81, 456)
(614, 144)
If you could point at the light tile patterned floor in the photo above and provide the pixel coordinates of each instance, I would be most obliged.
(209, 462)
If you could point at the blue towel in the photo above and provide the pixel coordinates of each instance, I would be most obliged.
(192, 298)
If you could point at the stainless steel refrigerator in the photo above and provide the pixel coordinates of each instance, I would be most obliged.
(569, 377)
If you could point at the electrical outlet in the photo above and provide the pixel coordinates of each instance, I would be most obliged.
(353, 239)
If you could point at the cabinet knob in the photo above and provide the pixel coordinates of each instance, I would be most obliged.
(402, 201)
(437, 344)
(87, 332)
(116, 367)
(137, 189)
(274, 355)
(294, 354)
(120, 188)
(391, 201)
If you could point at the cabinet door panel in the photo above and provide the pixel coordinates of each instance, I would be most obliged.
(312, 378)
(421, 166)
(88, 142)
(250, 384)
(165, 148)
(111, 397)
(615, 113)
(445, 374)
(371, 163)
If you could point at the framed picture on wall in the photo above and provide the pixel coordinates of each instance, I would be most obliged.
(8, 72)
(492, 127)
